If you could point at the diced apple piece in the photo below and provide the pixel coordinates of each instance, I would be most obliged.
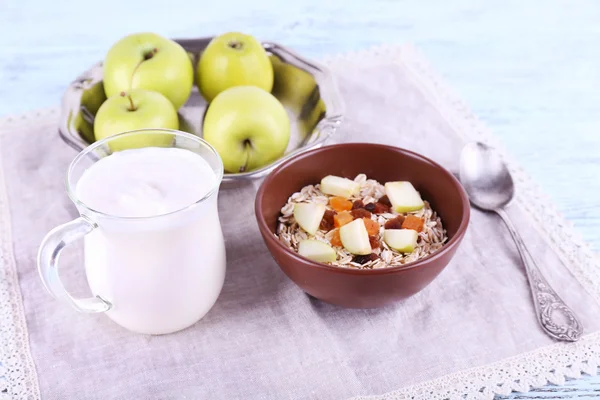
(309, 215)
(337, 186)
(316, 250)
(403, 196)
(355, 237)
(401, 240)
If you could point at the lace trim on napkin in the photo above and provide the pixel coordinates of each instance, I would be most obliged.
(18, 379)
(551, 364)
(520, 373)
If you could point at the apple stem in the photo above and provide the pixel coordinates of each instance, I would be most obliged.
(234, 44)
(149, 54)
(132, 107)
(247, 145)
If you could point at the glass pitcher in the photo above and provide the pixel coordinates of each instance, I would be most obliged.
(152, 275)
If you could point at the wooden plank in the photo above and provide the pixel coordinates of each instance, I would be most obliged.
(529, 69)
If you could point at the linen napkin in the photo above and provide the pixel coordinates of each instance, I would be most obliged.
(472, 332)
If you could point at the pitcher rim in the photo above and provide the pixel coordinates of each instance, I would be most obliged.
(71, 189)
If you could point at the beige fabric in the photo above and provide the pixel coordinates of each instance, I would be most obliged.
(265, 339)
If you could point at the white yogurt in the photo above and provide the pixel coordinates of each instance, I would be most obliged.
(162, 264)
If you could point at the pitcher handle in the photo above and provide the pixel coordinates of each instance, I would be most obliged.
(52, 245)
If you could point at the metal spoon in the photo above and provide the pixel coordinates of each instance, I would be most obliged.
(490, 187)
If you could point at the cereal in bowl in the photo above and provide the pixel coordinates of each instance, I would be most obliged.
(360, 223)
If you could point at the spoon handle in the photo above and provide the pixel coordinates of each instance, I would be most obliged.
(557, 319)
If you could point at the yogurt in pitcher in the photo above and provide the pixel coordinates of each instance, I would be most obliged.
(158, 254)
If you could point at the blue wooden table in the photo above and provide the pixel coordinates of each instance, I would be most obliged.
(530, 70)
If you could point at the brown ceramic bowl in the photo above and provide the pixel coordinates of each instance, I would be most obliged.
(352, 287)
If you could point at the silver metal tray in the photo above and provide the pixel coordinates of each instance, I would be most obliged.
(307, 90)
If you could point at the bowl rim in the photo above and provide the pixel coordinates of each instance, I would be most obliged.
(450, 245)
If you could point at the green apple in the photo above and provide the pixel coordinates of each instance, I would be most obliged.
(337, 186)
(138, 109)
(91, 99)
(233, 59)
(293, 86)
(84, 127)
(403, 196)
(248, 127)
(149, 61)
(311, 116)
(401, 240)
(309, 216)
(316, 250)
(297, 90)
(355, 237)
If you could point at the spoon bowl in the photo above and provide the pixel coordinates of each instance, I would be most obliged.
(485, 177)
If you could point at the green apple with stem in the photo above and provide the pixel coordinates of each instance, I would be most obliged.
(138, 109)
(233, 59)
(149, 61)
(248, 127)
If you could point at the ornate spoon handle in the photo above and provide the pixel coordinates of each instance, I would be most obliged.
(557, 319)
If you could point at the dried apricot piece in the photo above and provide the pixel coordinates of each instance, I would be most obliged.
(340, 204)
(360, 213)
(327, 220)
(335, 238)
(372, 226)
(374, 241)
(381, 208)
(342, 219)
(395, 223)
(414, 223)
